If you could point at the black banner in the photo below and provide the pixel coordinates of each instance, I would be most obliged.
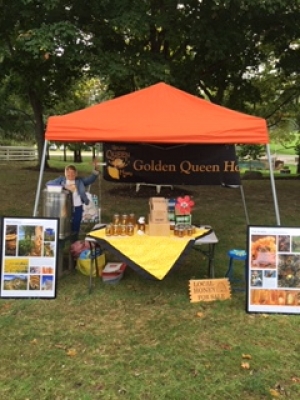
(171, 164)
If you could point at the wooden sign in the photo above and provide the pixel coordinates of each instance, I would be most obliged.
(209, 289)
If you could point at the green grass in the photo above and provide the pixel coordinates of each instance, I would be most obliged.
(277, 173)
(143, 339)
(279, 149)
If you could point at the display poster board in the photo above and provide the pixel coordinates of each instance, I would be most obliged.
(273, 279)
(29, 257)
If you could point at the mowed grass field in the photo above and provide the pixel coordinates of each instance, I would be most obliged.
(143, 339)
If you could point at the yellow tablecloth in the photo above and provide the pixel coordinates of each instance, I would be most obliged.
(155, 254)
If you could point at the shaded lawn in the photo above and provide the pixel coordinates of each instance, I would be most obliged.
(143, 339)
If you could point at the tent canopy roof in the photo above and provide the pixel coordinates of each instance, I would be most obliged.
(158, 114)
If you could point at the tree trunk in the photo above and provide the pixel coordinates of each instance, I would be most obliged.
(37, 107)
(77, 156)
(65, 153)
(298, 164)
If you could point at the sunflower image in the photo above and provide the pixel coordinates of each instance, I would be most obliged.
(263, 251)
(115, 167)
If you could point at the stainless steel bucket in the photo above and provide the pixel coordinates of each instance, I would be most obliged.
(59, 205)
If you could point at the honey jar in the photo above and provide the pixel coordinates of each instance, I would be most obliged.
(124, 219)
(123, 230)
(131, 219)
(116, 229)
(108, 230)
(116, 219)
(130, 229)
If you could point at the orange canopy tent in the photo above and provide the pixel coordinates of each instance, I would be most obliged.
(158, 114)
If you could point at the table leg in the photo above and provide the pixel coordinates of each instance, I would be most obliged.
(93, 261)
(211, 264)
(210, 255)
(92, 253)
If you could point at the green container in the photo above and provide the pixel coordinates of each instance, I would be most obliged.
(183, 219)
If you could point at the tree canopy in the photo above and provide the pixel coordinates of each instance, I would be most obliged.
(242, 54)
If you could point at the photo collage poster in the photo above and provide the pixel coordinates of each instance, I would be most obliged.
(29, 257)
(273, 283)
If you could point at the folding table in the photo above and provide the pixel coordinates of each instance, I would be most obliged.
(129, 249)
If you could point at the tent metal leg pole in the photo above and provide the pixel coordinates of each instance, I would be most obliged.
(244, 203)
(273, 185)
(38, 190)
(243, 198)
(99, 155)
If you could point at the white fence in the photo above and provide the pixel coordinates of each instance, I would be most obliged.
(18, 153)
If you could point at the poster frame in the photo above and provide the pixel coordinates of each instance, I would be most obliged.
(29, 257)
(273, 269)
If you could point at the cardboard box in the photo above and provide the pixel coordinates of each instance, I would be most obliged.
(154, 229)
(158, 218)
(158, 209)
(158, 203)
